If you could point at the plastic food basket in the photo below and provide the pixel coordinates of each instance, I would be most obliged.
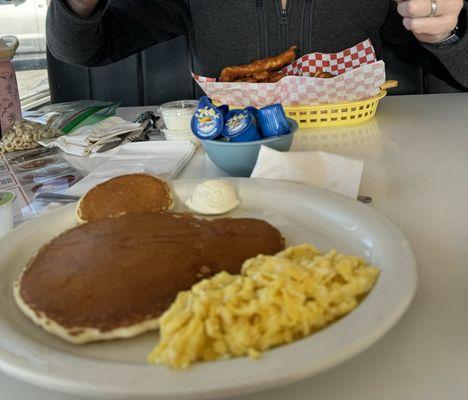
(338, 114)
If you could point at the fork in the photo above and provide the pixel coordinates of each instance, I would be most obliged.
(141, 137)
(148, 119)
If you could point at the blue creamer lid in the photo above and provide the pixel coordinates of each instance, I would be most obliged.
(254, 112)
(224, 110)
(272, 120)
(241, 126)
(208, 120)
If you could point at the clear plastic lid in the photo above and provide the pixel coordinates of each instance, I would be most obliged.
(179, 107)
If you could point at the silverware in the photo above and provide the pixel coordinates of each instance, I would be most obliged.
(142, 137)
(147, 120)
(47, 197)
(111, 144)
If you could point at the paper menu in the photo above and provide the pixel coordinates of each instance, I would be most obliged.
(30, 172)
(22, 205)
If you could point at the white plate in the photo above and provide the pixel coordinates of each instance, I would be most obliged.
(118, 369)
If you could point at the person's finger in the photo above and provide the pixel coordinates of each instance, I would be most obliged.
(418, 8)
(423, 8)
(430, 25)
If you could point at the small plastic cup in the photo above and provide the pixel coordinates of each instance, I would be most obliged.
(6, 212)
(178, 114)
(272, 121)
(241, 127)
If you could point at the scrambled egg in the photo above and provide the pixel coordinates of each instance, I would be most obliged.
(276, 300)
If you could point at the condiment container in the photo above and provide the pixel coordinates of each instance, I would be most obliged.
(6, 212)
(272, 120)
(10, 108)
(177, 115)
(208, 120)
(224, 110)
(180, 135)
(241, 126)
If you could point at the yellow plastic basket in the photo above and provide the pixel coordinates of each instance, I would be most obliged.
(338, 114)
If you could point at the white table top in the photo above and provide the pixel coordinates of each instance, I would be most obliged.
(416, 171)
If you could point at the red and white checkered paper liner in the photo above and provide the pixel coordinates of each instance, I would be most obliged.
(360, 76)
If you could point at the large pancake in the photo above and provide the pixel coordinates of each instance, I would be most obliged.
(113, 278)
(132, 193)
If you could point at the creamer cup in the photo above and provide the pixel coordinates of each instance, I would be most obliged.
(272, 121)
(241, 127)
(208, 120)
(224, 110)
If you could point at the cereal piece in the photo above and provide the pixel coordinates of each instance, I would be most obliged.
(9, 147)
(27, 137)
(17, 142)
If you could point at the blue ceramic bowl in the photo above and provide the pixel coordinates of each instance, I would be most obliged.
(238, 159)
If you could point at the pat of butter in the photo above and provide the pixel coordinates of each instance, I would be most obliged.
(213, 197)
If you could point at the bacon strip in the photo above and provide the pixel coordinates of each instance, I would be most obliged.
(231, 74)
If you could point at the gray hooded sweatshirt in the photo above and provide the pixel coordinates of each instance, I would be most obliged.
(233, 32)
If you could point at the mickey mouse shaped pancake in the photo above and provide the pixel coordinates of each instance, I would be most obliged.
(126, 194)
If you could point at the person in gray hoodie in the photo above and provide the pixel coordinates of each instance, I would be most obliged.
(232, 32)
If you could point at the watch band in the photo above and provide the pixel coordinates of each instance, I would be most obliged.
(452, 39)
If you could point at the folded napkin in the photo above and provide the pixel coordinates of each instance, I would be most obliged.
(328, 171)
(89, 139)
(165, 159)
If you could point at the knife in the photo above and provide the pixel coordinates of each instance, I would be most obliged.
(47, 197)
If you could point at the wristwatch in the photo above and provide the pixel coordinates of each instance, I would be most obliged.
(452, 39)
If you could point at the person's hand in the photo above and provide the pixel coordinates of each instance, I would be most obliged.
(82, 7)
(426, 28)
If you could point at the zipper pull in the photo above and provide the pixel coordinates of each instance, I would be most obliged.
(284, 17)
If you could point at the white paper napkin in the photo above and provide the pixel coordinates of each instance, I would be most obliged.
(88, 139)
(328, 171)
(165, 159)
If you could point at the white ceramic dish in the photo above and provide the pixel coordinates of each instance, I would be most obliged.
(117, 369)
